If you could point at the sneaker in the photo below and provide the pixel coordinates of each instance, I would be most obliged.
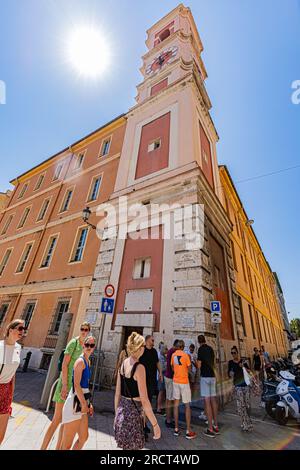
(190, 435)
(176, 432)
(169, 425)
(209, 433)
(216, 430)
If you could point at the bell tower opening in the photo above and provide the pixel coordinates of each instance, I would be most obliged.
(164, 35)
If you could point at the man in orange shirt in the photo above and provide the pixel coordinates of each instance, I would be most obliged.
(181, 365)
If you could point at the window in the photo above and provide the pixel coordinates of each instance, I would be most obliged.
(5, 260)
(43, 210)
(7, 224)
(164, 35)
(39, 182)
(256, 286)
(27, 313)
(243, 239)
(250, 279)
(227, 205)
(57, 172)
(24, 258)
(24, 217)
(105, 147)
(242, 315)
(94, 191)
(3, 312)
(62, 307)
(269, 331)
(66, 200)
(142, 268)
(49, 251)
(264, 327)
(237, 225)
(79, 245)
(79, 161)
(243, 266)
(251, 321)
(154, 145)
(258, 326)
(233, 255)
(23, 191)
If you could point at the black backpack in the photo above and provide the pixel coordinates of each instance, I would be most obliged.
(61, 357)
(61, 360)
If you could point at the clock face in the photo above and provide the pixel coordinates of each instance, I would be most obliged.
(165, 56)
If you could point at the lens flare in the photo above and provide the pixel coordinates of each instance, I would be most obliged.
(88, 51)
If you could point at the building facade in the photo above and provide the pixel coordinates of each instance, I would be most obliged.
(47, 252)
(157, 159)
(284, 314)
(255, 283)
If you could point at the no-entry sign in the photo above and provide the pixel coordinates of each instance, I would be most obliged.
(109, 290)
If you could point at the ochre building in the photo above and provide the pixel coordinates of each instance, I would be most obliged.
(47, 253)
(260, 311)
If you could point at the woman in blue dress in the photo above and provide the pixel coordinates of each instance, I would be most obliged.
(78, 407)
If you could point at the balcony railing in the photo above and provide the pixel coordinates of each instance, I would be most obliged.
(50, 341)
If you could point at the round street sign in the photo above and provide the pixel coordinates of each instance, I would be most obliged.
(109, 290)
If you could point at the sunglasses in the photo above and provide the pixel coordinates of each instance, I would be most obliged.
(89, 345)
(233, 352)
(84, 329)
(20, 328)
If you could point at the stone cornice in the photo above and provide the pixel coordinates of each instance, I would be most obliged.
(47, 286)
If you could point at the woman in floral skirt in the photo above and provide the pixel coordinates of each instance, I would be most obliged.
(131, 399)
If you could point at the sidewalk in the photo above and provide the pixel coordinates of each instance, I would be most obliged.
(28, 424)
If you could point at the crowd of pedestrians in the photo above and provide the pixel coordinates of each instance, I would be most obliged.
(144, 376)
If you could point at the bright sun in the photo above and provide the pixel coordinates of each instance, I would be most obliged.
(87, 51)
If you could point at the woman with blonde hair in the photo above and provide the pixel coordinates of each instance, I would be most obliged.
(71, 354)
(78, 407)
(9, 362)
(131, 399)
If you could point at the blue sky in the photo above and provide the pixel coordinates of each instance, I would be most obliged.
(251, 52)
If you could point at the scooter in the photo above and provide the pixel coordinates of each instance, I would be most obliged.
(289, 401)
(269, 395)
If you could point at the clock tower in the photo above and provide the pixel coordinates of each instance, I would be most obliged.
(170, 122)
(169, 157)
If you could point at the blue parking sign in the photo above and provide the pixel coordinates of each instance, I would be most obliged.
(215, 306)
(107, 305)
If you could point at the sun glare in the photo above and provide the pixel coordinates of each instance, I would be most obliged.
(88, 51)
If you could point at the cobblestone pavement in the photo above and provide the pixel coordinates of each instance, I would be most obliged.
(28, 424)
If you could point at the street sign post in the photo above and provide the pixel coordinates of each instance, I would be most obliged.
(109, 290)
(215, 310)
(216, 318)
(106, 308)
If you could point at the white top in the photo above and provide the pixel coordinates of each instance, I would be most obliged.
(10, 357)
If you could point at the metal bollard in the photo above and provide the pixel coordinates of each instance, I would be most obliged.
(26, 361)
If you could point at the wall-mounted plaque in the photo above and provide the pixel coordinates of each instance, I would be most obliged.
(138, 300)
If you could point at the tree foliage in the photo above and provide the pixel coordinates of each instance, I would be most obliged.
(295, 326)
